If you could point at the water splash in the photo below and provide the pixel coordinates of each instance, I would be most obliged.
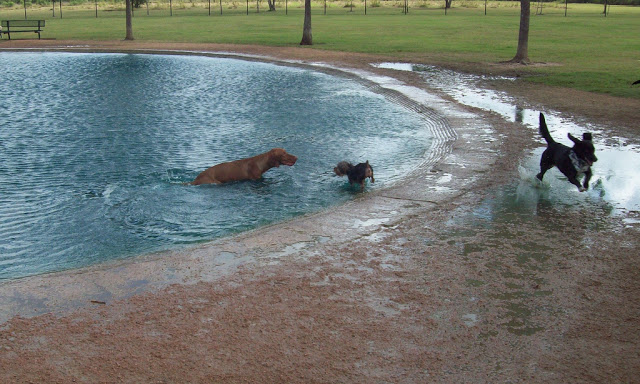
(614, 175)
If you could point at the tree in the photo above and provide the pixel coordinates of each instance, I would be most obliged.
(272, 5)
(447, 4)
(129, 16)
(522, 54)
(306, 29)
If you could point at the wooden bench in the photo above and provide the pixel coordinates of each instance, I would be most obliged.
(15, 26)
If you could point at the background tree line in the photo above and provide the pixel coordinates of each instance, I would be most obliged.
(274, 5)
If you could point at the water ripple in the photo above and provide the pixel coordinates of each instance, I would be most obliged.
(95, 149)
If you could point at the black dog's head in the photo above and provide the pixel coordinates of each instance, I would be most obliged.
(368, 171)
(584, 148)
(361, 172)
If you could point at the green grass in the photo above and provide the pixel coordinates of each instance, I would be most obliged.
(589, 51)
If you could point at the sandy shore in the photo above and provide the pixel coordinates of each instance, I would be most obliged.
(411, 284)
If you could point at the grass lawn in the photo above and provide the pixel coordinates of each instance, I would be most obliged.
(592, 52)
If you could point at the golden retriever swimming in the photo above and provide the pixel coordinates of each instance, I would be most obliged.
(250, 168)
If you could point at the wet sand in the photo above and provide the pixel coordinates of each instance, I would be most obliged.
(412, 284)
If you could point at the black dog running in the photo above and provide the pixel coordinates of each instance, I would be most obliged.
(572, 162)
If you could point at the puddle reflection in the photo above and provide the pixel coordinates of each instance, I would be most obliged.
(512, 234)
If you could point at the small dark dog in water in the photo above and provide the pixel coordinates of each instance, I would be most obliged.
(572, 162)
(356, 174)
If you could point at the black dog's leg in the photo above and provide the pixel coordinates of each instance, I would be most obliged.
(572, 176)
(574, 180)
(587, 177)
(546, 163)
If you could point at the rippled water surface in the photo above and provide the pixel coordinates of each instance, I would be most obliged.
(94, 149)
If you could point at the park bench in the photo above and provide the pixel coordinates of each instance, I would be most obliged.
(15, 26)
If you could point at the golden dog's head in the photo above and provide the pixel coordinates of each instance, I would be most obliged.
(279, 156)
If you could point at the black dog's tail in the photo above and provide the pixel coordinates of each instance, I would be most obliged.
(544, 131)
(636, 82)
(343, 168)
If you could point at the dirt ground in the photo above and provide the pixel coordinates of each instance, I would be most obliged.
(439, 296)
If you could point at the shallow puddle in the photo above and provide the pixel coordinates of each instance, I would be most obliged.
(510, 239)
(613, 184)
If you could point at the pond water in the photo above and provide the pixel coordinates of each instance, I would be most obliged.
(94, 149)
(614, 183)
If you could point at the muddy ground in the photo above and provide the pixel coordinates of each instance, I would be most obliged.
(437, 291)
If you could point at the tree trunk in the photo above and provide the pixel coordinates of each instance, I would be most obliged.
(272, 5)
(306, 30)
(129, 16)
(522, 55)
(447, 4)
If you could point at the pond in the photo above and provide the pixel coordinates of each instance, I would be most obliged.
(95, 148)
